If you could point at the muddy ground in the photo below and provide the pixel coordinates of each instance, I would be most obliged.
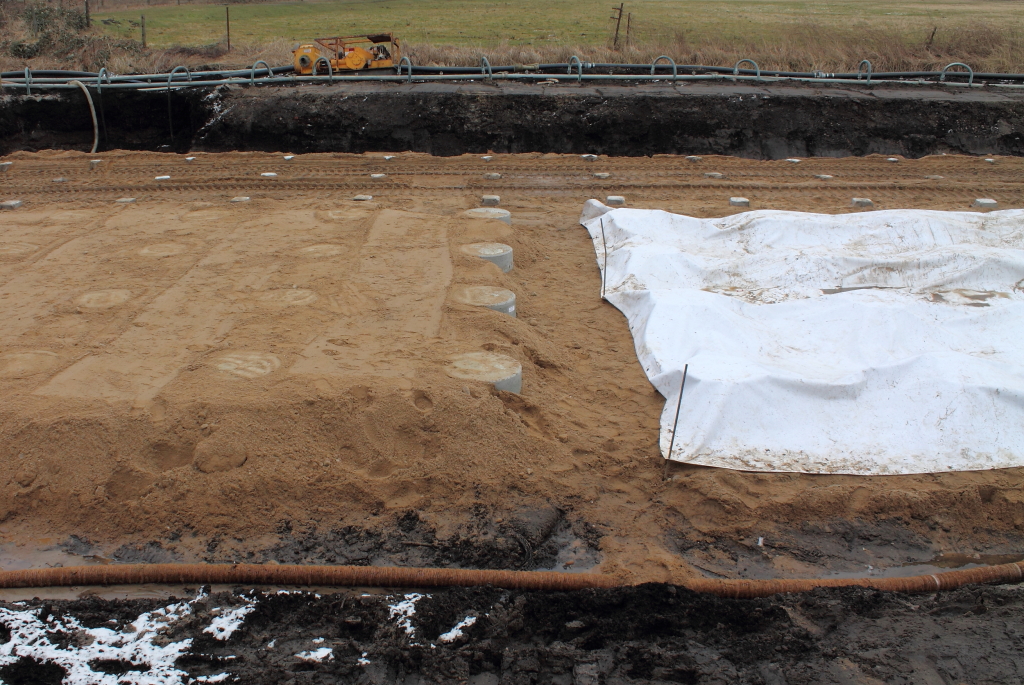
(483, 636)
(759, 121)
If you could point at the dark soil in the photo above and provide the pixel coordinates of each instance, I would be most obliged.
(769, 121)
(647, 634)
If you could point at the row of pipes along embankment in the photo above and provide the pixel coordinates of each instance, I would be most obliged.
(406, 577)
(662, 69)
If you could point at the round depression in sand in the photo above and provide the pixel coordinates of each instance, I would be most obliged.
(505, 373)
(288, 297)
(103, 299)
(25, 364)
(248, 364)
(162, 250)
(322, 250)
(17, 248)
(498, 299)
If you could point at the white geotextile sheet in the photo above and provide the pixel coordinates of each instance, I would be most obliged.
(869, 343)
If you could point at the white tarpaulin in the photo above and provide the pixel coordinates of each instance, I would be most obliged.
(869, 343)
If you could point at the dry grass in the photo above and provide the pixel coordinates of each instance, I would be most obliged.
(826, 43)
(801, 47)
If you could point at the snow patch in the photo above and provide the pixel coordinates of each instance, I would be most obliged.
(405, 610)
(322, 654)
(456, 632)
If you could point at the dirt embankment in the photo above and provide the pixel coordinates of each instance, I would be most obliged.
(759, 121)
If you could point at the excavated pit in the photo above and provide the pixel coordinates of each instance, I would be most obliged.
(757, 121)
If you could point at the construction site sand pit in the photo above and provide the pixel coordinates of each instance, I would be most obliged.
(189, 379)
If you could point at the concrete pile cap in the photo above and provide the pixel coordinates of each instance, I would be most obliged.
(61, 179)
(861, 202)
(504, 373)
(363, 198)
(498, 254)
(693, 158)
(893, 159)
(268, 174)
(10, 204)
(125, 200)
(990, 160)
(378, 175)
(162, 178)
(93, 163)
(498, 299)
(934, 177)
(614, 200)
(739, 202)
(588, 158)
(190, 159)
(492, 177)
(289, 158)
(793, 160)
(985, 203)
(713, 174)
(487, 158)
(602, 174)
(489, 213)
(240, 198)
(4, 166)
(823, 177)
(490, 200)
(388, 157)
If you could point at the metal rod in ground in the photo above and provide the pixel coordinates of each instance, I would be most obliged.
(604, 249)
(227, 18)
(143, 30)
(675, 425)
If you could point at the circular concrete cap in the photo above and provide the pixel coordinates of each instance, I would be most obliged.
(862, 202)
(492, 177)
(793, 160)
(739, 202)
(498, 299)
(504, 373)
(823, 177)
(162, 178)
(602, 174)
(990, 160)
(240, 198)
(489, 213)
(892, 159)
(289, 158)
(615, 200)
(487, 158)
(363, 198)
(588, 158)
(388, 157)
(378, 175)
(933, 177)
(190, 159)
(268, 174)
(713, 174)
(126, 200)
(693, 158)
(498, 254)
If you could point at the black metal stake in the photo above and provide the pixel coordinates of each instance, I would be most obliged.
(604, 272)
(675, 426)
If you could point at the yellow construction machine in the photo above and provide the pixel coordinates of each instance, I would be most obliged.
(347, 53)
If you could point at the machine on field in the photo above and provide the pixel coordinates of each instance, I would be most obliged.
(347, 53)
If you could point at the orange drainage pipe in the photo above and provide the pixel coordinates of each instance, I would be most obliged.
(384, 576)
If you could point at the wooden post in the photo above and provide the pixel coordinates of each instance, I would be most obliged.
(227, 17)
(629, 23)
(88, 21)
(618, 22)
(143, 30)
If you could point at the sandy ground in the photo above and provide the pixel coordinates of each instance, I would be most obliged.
(188, 378)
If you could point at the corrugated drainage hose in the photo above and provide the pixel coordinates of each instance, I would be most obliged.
(92, 111)
(384, 576)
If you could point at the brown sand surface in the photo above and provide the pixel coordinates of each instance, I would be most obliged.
(186, 369)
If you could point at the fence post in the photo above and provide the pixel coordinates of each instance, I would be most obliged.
(143, 30)
(227, 18)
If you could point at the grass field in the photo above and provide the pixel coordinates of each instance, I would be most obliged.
(779, 34)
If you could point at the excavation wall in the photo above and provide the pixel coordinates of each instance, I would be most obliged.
(761, 122)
